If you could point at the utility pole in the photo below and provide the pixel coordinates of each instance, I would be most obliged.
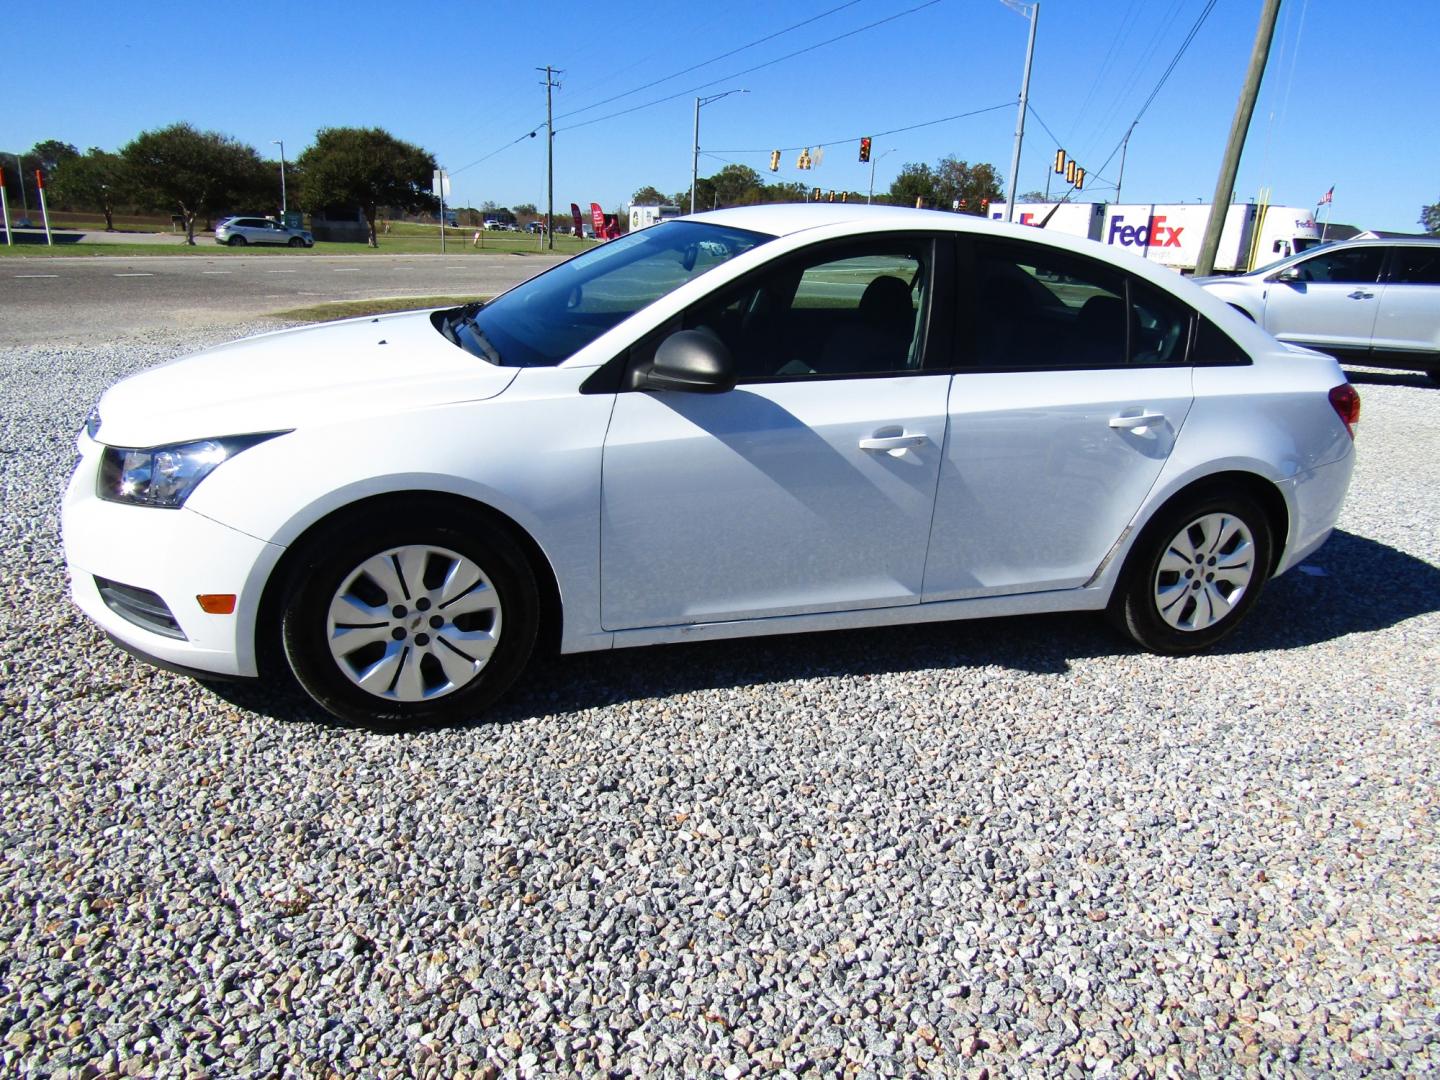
(550, 84)
(1124, 149)
(1239, 127)
(695, 144)
(1032, 11)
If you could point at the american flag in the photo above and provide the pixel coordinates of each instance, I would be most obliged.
(1328, 197)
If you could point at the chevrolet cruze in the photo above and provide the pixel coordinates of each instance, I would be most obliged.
(753, 421)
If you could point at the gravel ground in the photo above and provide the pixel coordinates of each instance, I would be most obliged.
(1005, 848)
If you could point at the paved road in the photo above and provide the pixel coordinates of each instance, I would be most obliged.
(87, 298)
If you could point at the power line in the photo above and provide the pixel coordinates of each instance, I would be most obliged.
(874, 135)
(535, 129)
(757, 67)
(1174, 62)
(712, 60)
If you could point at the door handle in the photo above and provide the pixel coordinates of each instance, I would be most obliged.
(1133, 423)
(1360, 294)
(894, 442)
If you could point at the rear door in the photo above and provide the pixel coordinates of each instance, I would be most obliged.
(1408, 322)
(1073, 383)
(1334, 302)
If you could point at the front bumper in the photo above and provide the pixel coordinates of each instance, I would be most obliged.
(177, 555)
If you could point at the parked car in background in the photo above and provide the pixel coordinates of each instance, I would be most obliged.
(1366, 301)
(754, 421)
(239, 231)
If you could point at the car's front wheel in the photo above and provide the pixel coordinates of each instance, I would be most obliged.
(1194, 573)
(410, 619)
(295, 241)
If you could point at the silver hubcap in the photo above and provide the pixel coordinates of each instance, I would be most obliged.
(1205, 571)
(414, 623)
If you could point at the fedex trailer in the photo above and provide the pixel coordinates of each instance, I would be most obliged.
(1172, 233)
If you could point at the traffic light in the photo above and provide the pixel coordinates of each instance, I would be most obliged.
(815, 195)
(803, 161)
(831, 197)
(1079, 179)
(774, 160)
(1070, 172)
(844, 196)
(865, 149)
(1059, 161)
(984, 206)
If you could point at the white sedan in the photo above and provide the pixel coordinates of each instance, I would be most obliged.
(754, 421)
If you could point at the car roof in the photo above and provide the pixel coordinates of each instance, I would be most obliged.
(782, 219)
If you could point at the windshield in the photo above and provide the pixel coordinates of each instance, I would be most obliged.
(551, 317)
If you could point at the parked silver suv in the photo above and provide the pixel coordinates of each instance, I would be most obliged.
(1365, 301)
(239, 231)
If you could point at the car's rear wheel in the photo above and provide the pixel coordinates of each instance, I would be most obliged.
(235, 241)
(418, 616)
(1194, 573)
(295, 241)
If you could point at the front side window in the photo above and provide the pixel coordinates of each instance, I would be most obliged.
(851, 309)
(1352, 266)
(551, 317)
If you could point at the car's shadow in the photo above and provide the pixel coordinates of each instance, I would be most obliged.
(1416, 379)
(1352, 585)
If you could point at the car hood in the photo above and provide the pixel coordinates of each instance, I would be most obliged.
(289, 378)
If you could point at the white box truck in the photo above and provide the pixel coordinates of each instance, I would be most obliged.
(1172, 233)
(642, 217)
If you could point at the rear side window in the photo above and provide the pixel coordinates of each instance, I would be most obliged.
(1040, 308)
(1416, 266)
(1213, 345)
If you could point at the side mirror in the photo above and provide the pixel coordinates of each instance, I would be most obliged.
(1290, 273)
(694, 361)
(689, 256)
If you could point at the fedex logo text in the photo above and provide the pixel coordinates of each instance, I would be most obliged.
(1155, 234)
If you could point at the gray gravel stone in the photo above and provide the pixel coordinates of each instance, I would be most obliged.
(1004, 848)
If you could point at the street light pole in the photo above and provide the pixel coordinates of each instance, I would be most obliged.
(870, 197)
(1033, 14)
(695, 145)
(283, 205)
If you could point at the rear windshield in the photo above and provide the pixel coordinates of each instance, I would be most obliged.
(551, 317)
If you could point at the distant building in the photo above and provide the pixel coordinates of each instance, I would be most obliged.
(340, 223)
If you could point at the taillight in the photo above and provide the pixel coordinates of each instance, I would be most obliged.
(1345, 400)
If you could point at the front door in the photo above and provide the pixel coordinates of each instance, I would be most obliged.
(1333, 303)
(807, 488)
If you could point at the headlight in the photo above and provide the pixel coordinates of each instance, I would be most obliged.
(166, 475)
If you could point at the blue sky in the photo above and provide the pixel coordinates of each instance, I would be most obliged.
(1338, 106)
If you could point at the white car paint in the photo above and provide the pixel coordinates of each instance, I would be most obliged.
(666, 516)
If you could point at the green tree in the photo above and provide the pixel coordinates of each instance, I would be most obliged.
(367, 167)
(916, 181)
(736, 185)
(649, 196)
(96, 179)
(189, 171)
(705, 197)
(1430, 218)
(948, 182)
(51, 153)
(526, 208)
(972, 186)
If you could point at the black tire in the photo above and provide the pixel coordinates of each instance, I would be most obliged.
(295, 241)
(333, 557)
(235, 241)
(1434, 374)
(1137, 608)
